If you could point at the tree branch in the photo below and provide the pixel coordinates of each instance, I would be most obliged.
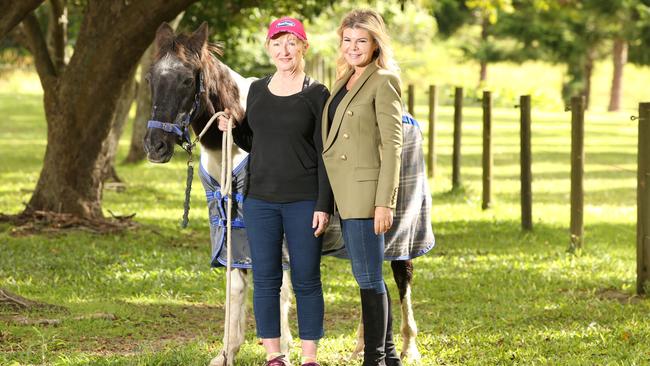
(38, 48)
(13, 12)
(57, 33)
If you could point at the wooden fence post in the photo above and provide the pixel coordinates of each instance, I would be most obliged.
(577, 172)
(487, 150)
(526, 160)
(458, 120)
(411, 100)
(643, 201)
(433, 104)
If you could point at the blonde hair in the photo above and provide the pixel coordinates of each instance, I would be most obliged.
(304, 45)
(372, 22)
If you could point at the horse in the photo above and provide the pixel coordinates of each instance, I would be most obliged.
(188, 85)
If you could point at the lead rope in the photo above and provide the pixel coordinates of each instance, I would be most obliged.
(226, 177)
(190, 168)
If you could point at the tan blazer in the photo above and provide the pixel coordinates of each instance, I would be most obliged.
(362, 149)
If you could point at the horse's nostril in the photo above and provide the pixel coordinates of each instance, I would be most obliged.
(160, 147)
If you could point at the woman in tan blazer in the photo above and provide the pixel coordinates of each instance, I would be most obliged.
(362, 144)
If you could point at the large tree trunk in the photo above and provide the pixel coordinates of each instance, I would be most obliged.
(620, 58)
(80, 101)
(13, 12)
(143, 104)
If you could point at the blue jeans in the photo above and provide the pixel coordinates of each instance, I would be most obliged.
(266, 224)
(366, 251)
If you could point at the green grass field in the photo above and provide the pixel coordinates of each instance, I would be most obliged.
(488, 294)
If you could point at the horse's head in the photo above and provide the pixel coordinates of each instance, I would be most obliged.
(177, 90)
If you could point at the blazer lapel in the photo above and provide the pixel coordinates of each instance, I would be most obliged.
(325, 128)
(338, 116)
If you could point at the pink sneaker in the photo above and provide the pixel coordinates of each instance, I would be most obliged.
(278, 361)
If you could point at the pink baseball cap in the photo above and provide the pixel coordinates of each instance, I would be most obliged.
(287, 25)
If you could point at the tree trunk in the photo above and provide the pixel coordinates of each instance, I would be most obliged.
(106, 162)
(589, 71)
(79, 102)
(57, 32)
(484, 39)
(13, 12)
(620, 58)
(142, 111)
(483, 74)
(143, 104)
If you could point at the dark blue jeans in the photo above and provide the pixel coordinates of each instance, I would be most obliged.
(366, 251)
(266, 224)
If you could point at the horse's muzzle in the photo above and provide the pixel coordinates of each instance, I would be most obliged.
(158, 150)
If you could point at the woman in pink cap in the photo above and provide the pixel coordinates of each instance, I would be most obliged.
(288, 194)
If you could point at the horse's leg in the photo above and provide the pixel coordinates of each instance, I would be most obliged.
(239, 287)
(358, 350)
(403, 274)
(285, 304)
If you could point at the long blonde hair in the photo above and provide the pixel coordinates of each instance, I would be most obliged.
(372, 22)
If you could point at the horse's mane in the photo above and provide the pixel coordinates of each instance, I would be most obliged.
(216, 77)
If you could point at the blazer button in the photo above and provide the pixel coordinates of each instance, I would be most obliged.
(343, 157)
(346, 136)
(350, 113)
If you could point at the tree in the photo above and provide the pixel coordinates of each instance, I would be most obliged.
(453, 15)
(80, 98)
(13, 12)
(629, 19)
(569, 32)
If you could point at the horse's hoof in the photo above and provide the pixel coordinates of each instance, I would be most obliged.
(285, 346)
(411, 356)
(355, 355)
(218, 361)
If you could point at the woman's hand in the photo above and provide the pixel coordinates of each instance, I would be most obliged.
(224, 119)
(320, 222)
(383, 219)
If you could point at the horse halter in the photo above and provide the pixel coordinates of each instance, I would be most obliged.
(182, 131)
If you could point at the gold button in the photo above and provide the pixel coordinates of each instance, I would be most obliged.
(350, 113)
(346, 136)
(343, 157)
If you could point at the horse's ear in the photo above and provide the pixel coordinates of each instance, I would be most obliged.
(199, 38)
(164, 35)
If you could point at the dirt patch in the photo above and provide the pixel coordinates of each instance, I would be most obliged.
(48, 222)
(613, 294)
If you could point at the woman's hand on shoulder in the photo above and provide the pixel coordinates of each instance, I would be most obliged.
(320, 222)
(224, 119)
(383, 219)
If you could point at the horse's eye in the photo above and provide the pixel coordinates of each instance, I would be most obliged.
(188, 82)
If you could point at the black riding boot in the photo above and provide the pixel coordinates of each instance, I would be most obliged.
(374, 308)
(392, 358)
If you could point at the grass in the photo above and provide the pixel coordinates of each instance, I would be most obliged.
(488, 294)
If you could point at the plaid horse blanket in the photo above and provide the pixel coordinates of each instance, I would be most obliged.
(411, 235)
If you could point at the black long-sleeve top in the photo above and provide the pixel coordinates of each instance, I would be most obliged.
(283, 136)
